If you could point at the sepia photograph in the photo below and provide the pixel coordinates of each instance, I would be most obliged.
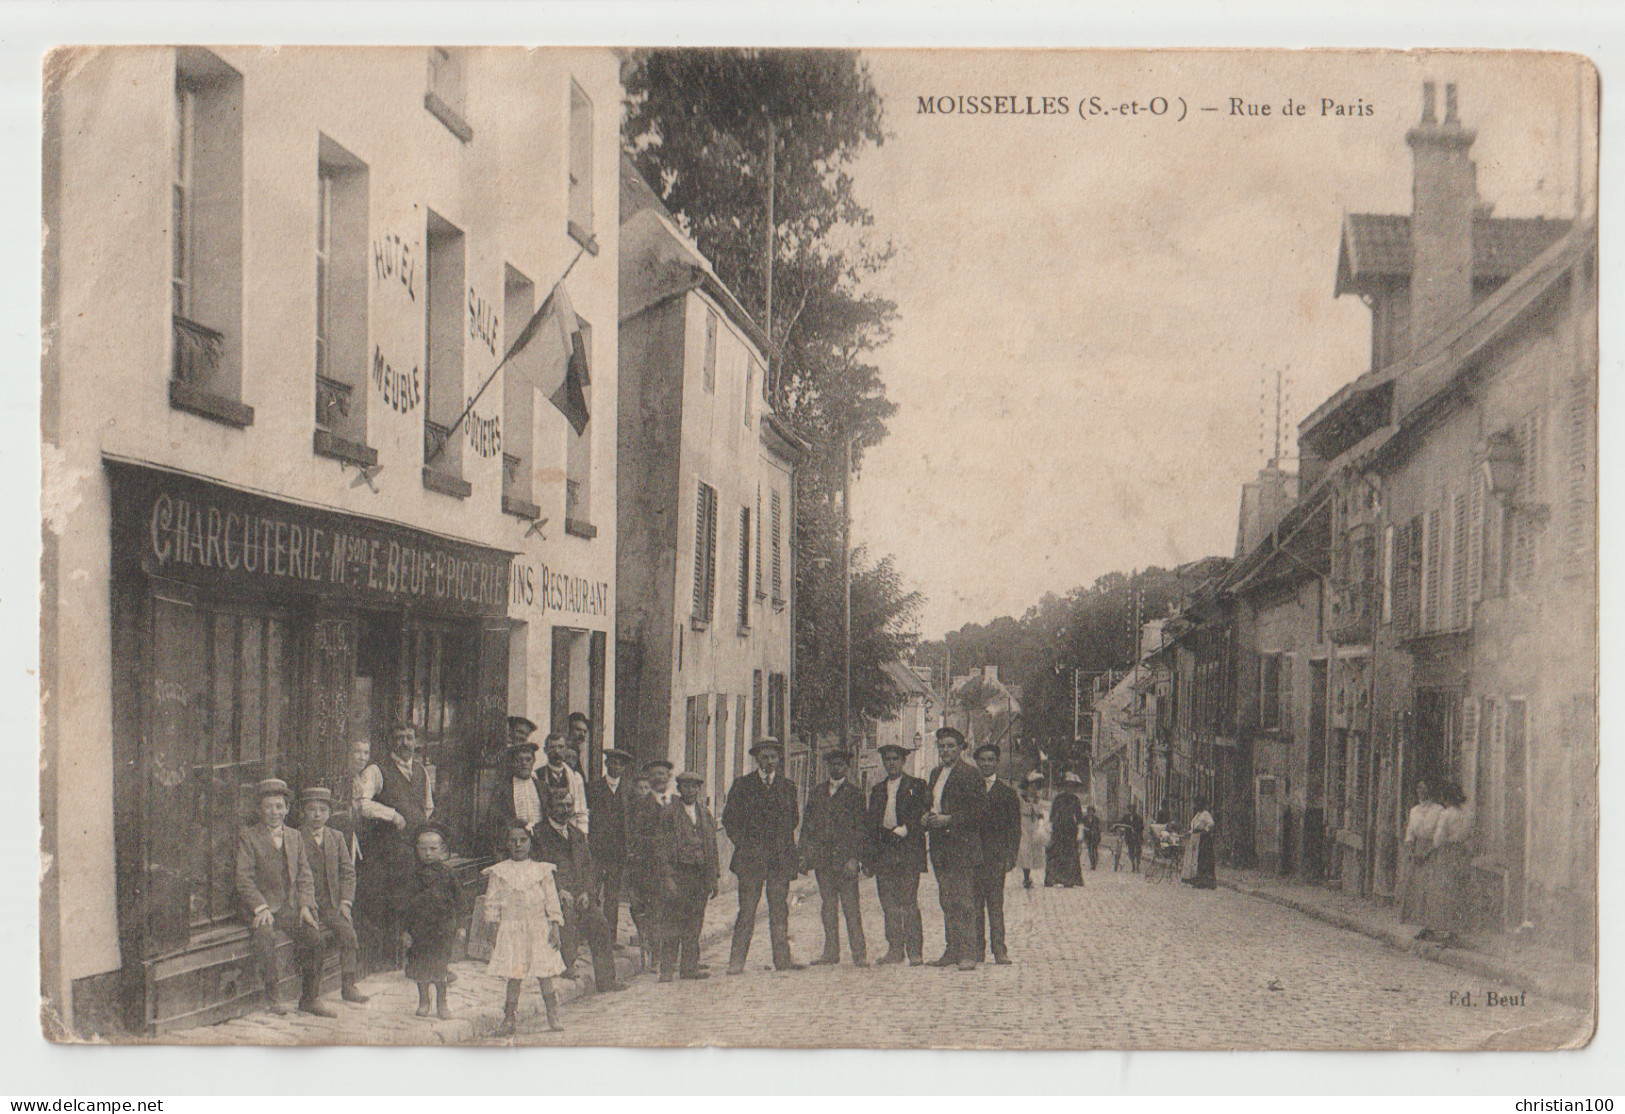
(818, 548)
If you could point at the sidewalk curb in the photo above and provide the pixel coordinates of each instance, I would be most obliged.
(1481, 966)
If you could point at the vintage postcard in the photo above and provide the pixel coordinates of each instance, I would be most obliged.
(803, 548)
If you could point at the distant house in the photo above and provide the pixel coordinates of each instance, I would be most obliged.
(914, 726)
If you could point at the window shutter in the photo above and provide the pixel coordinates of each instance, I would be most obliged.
(699, 550)
(1458, 563)
(1475, 539)
(778, 562)
(1283, 715)
(1469, 748)
(1430, 572)
(711, 555)
(744, 568)
(1581, 497)
(1402, 579)
(759, 544)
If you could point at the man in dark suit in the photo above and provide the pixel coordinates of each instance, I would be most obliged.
(833, 844)
(558, 841)
(760, 817)
(1001, 841)
(278, 893)
(643, 859)
(517, 798)
(954, 828)
(687, 840)
(608, 825)
(332, 869)
(896, 854)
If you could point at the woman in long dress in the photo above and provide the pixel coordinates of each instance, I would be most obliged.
(1446, 885)
(1198, 868)
(1034, 829)
(1419, 827)
(1062, 866)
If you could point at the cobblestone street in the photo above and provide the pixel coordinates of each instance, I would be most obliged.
(1116, 964)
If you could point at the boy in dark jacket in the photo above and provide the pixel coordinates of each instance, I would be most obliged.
(431, 911)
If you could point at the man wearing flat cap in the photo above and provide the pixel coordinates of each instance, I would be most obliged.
(643, 871)
(897, 854)
(518, 798)
(332, 868)
(609, 821)
(687, 841)
(1001, 843)
(954, 829)
(833, 842)
(278, 892)
(760, 817)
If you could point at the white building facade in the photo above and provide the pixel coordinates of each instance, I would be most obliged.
(276, 280)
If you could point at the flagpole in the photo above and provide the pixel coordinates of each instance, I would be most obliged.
(500, 365)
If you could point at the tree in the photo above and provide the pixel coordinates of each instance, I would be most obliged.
(710, 131)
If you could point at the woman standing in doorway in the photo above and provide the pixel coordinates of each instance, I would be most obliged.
(1446, 878)
(1419, 827)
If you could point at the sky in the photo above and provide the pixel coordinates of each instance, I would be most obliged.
(1093, 309)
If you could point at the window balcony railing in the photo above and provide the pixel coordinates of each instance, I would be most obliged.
(198, 352)
(572, 500)
(332, 402)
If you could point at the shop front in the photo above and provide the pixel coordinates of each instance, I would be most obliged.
(255, 638)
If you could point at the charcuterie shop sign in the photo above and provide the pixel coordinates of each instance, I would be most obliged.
(220, 538)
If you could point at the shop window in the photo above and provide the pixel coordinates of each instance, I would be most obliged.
(744, 570)
(443, 359)
(446, 98)
(581, 141)
(437, 663)
(206, 240)
(341, 305)
(518, 405)
(578, 462)
(222, 683)
(705, 555)
(708, 369)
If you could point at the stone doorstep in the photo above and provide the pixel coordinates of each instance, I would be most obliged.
(1481, 965)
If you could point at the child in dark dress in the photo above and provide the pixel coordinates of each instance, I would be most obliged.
(430, 912)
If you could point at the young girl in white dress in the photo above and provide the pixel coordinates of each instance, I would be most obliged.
(523, 902)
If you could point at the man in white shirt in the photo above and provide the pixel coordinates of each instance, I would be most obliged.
(557, 774)
(897, 854)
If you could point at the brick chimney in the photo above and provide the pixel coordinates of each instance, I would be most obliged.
(1444, 194)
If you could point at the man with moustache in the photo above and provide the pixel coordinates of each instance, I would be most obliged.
(954, 834)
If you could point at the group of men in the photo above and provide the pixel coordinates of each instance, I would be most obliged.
(654, 837)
